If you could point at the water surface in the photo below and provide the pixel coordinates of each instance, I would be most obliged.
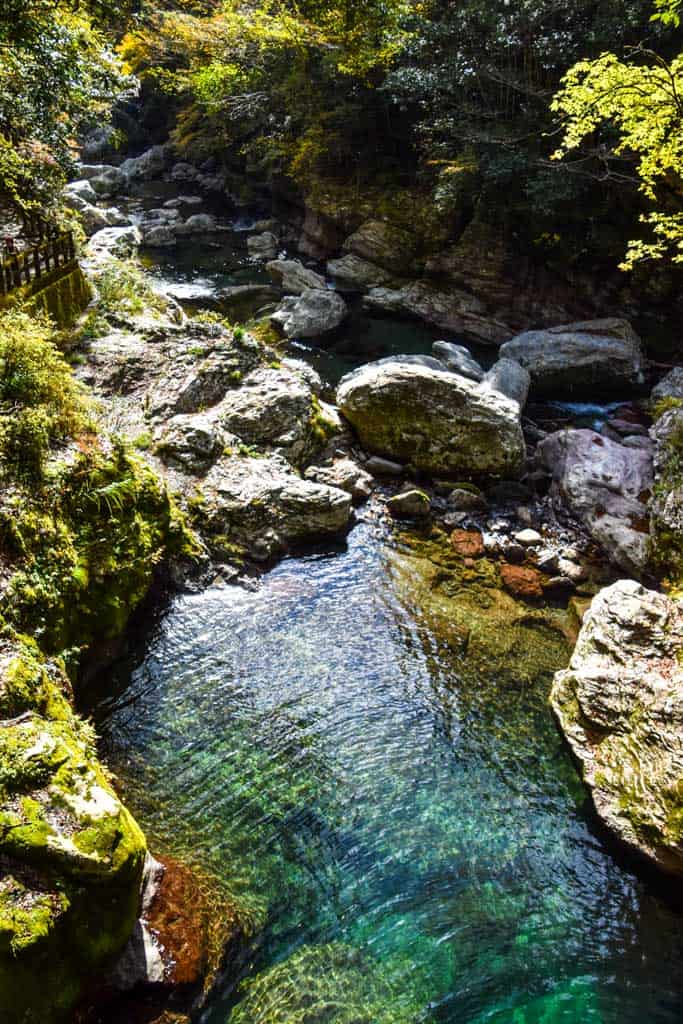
(406, 832)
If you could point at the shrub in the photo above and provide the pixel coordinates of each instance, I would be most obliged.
(40, 402)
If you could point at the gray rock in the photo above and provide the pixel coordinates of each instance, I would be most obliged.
(150, 164)
(604, 355)
(458, 359)
(184, 172)
(463, 500)
(620, 706)
(528, 538)
(293, 277)
(670, 386)
(100, 143)
(159, 236)
(314, 313)
(353, 274)
(274, 408)
(378, 466)
(509, 378)
(109, 182)
(409, 505)
(190, 441)
(345, 474)
(78, 194)
(261, 504)
(454, 310)
(605, 485)
(113, 242)
(263, 247)
(199, 224)
(441, 423)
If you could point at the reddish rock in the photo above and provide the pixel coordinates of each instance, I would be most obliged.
(468, 543)
(522, 581)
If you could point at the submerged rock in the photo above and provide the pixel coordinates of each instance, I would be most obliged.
(604, 355)
(438, 421)
(317, 983)
(607, 486)
(620, 706)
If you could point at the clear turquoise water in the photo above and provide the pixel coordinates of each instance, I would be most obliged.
(354, 782)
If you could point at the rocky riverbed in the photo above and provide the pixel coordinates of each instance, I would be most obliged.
(515, 507)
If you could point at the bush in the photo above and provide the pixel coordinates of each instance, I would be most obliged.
(40, 402)
(124, 288)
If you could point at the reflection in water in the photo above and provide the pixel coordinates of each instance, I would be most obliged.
(408, 831)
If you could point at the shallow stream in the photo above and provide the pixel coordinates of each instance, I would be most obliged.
(397, 817)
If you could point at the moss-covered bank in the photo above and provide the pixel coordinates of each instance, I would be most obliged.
(84, 524)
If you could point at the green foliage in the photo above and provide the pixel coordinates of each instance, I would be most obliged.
(57, 75)
(124, 289)
(641, 101)
(41, 404)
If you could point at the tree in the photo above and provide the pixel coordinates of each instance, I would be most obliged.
(632, 111)
(57, 74)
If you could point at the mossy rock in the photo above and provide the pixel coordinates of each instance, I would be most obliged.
(71, 861)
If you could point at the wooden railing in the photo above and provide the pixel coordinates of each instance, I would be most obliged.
(22, 268)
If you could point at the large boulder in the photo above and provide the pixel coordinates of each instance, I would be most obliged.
(110, 242)
(620, 706)
(109, 181)
(436, 420)
(607, 486)
(312, 314)
(454, 310)
(150, 164)
(276, 407)
(261, 505)
(603, 355)
(383, 244)
(352, 273)
(293, 277)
